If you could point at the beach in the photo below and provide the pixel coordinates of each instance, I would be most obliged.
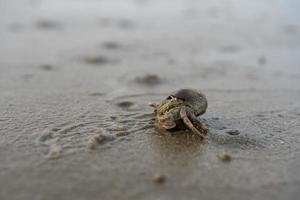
(76, 78)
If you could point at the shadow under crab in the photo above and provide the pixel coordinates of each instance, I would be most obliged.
(179, 111)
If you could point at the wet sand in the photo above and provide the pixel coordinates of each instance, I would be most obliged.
(76, 78)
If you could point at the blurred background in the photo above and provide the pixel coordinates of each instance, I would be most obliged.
(72, 68)
(214, 44)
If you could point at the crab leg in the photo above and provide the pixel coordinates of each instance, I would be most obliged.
(184, 112)
(201, 127)
(151, 104)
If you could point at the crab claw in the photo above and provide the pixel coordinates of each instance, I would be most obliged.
(167, 122)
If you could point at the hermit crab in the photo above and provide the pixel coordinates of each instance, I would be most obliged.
(180, 110)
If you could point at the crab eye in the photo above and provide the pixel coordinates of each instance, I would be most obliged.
(172, 97)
